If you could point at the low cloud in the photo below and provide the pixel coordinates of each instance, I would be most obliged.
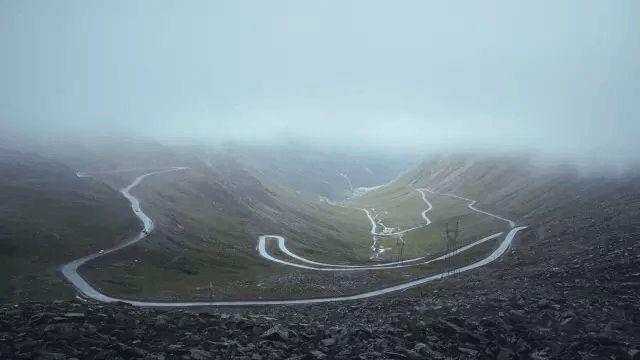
(560, 79)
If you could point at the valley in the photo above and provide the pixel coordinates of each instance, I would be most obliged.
(194, 254)
(210, 235)
(228, 231)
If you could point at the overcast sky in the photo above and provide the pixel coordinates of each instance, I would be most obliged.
(558, 76)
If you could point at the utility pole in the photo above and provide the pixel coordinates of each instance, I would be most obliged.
(401, 237)
(451, 236)
(400, 247)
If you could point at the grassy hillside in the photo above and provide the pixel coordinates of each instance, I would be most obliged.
(49, 216)
(516, 187)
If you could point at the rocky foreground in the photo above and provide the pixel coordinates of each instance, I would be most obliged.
(467, 323)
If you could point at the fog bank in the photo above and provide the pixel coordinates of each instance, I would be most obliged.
(557, 78)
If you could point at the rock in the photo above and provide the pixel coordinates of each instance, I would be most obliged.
(45, 355)
(276, 333)
(470, 352)
(328, 341)
(569, 324)
(516, 316)
(161, 320)
(186, 322)
(543, 303)
(199, 354)
(296, 357)
(175, 347)
(449, 326)
(522, 347)
(60, 331)
(317, 354)
(74, 315)
(257, 330)
(506, 354)
(419, 346)
(413, 355)
(130, 350)
(394, 355)
(539, 355)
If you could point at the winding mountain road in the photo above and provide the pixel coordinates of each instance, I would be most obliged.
(471, 206)
(394, 265)
(390, 265)
(70, 269)
(87, 291)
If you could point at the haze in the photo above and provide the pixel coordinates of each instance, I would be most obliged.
(554, 77)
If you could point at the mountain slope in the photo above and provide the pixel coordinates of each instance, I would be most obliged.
(49, 216)
(527, 191)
